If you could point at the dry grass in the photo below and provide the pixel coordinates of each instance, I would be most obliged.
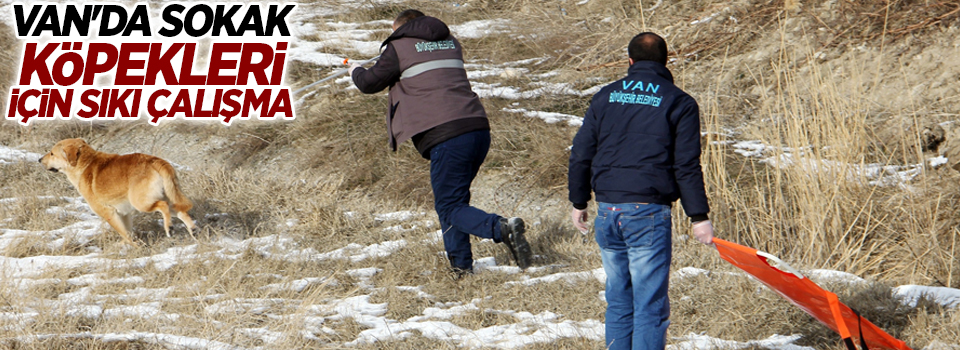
(761, 68)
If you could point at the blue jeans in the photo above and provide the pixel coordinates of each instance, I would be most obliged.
(635, 245)
(453, 166)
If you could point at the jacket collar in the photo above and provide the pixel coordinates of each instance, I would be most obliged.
(650, 66)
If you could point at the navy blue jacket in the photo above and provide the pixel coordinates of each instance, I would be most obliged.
(640, 143)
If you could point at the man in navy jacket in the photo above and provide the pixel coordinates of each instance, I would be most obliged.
(639, 151)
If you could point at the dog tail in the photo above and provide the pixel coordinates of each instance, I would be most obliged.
(171, 187)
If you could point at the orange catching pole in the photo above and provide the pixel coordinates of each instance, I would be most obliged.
(808, 296)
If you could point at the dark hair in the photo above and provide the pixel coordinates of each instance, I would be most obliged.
(648, 46)
(405, 16)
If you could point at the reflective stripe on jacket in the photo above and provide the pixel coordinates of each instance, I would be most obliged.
(423, 66)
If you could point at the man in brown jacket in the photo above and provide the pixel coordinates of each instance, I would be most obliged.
(432, 104)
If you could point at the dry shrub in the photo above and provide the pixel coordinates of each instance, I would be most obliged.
(300, 73)
(413, 342)
(820, 208)
(9, 56)
(346, 135)
(79, 343)
(557, 244)
(705, 302)
(33, 213)
(241, 151)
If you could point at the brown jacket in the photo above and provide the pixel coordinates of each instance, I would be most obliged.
(423, 67)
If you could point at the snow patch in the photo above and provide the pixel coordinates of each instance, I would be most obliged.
(548, 117)
(480, 28)
(911, 294)
(11, 155)
(703, 342)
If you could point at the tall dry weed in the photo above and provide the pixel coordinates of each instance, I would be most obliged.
(826, 196)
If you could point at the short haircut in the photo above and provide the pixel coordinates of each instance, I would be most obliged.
(648, 46)
(405, 16)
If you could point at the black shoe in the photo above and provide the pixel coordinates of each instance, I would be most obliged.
(459, 273)
(511, 231)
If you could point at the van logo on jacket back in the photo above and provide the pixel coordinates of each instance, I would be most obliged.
(634, 99)
(435, 45)
(638, 85)
(628, 96)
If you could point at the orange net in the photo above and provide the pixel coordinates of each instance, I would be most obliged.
(800, 291)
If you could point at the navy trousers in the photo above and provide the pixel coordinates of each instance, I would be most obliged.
(453, 166)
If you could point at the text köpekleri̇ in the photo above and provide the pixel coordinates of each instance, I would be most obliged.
(111, 62)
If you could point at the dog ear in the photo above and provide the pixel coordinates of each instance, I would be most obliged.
(71, 153)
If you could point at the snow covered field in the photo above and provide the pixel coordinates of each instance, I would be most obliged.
(22, 276)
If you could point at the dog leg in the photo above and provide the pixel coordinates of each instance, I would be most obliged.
(164, 209)
(187, 221)
(180, 203)
(115, 220)
(127, 220)
(151, 201)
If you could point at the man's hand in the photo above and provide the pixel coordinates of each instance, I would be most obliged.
(353, 66)
(579, 218)
(703, 231)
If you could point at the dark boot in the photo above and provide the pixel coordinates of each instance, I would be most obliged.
(459, 273)
(511, 232)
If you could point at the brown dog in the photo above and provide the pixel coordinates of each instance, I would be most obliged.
(116, 185)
